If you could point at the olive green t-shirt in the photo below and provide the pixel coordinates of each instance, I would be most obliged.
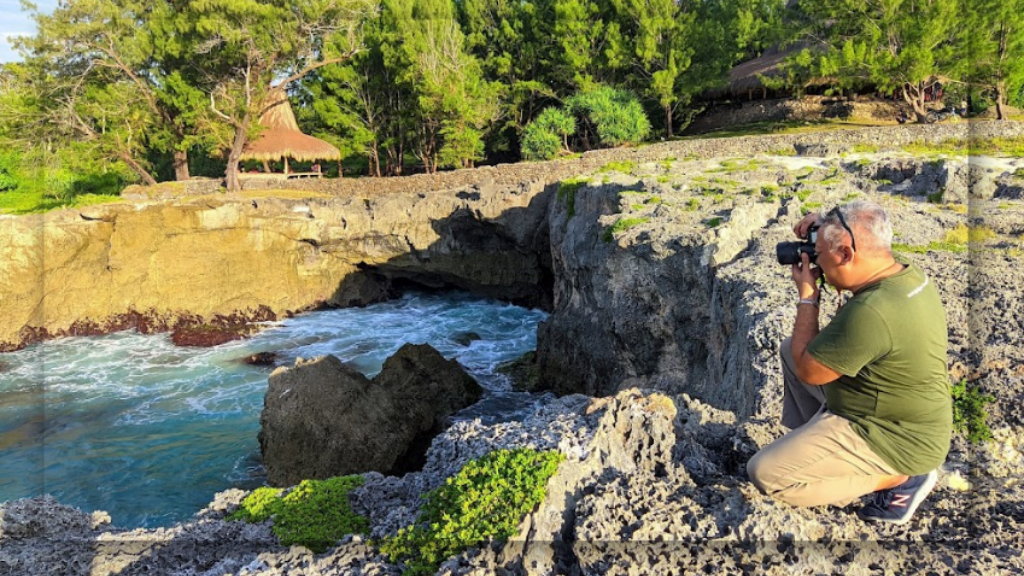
(889, 344)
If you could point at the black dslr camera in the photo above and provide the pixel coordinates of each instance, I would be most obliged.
(789, 252)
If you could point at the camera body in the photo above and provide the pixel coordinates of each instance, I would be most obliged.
(789, 252)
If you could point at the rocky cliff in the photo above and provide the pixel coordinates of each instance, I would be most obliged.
(663, 277)
(219, 260)
(186, 254)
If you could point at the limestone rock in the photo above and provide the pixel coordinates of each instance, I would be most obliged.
(322, 418)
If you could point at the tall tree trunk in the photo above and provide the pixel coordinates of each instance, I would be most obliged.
(181, 165)
(231, 172)
(668, 121)
(134, 165)
(913, 94)
(1000, 101)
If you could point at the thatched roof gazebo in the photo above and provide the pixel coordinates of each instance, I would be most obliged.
(281, 138)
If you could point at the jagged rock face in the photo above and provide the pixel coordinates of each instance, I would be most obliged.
(321, 418)
(667, 278)
(219, 260)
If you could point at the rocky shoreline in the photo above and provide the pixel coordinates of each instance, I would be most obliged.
(667, 309)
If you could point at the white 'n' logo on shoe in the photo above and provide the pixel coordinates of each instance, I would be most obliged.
(901, 500)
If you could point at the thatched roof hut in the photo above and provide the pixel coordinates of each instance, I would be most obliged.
(282, 139)
(745, 78)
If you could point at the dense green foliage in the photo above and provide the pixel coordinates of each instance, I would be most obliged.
(548, 135)
(314, 514)
(486, 500)
(971, 49)
(614, 116)
(969, 414)
(158, 89)
(154, 89)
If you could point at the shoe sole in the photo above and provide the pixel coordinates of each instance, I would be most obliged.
(926, 489)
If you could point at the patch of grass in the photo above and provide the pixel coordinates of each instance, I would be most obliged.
(654, 200)
(713, 222)
(883, 182)
(980, 234)
(851, 197)
(486, 500)
(936, 197)
(724, 182)
(958, 235)
(664, 179)
(34, 201)
(667, 163)
(969, 415)
(624, 166)
(1018, 173)
(737, 165)
(790, 151)
(637, 206)
(865, 148)
(804, 173)
(692, 204)
(1003, 206)
(1012, 147)
(809, 207)
(803, 193)
(315, 514)
(621, 225)
(863, 162)
(831, 181)
(933, 246)
(567, 192)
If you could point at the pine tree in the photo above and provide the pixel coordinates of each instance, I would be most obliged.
(893, 45)
(994, 41)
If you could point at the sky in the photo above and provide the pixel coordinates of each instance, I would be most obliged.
(15, 22)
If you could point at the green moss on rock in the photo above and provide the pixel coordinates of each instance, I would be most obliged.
(315, 514)
(486, 500)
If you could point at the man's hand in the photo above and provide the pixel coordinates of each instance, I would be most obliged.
(805, 277)
(800, 229)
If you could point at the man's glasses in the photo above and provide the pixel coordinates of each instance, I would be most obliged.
(842, 221)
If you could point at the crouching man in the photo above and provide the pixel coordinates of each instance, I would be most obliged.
(867, 397)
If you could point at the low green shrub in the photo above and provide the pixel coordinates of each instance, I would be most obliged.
(624, 166)
(713, 222)
(548, 134)
(692, 204)
(621, 225)
(969, 415)
(617, 115)
(315, 514)
(809, 207)
(486, 500)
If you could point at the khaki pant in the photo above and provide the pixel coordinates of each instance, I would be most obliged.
(821, 460)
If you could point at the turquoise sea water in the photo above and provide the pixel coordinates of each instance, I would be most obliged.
(149, 432)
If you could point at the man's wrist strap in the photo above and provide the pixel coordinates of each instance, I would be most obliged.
(808, 301)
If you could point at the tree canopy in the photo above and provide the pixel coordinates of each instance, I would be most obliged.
(149, 89)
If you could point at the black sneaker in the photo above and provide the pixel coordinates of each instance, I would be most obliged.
(897, 505)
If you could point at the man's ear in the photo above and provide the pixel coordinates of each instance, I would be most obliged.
(846, 253)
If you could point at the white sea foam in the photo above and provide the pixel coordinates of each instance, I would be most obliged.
(133, 415)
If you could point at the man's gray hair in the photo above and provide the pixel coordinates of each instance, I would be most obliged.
(869, 222)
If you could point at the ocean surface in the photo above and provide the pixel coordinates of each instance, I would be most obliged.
(149, 432)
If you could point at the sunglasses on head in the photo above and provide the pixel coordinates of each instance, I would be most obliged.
(839, 216)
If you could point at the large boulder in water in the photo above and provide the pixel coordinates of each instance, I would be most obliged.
(321, 418)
